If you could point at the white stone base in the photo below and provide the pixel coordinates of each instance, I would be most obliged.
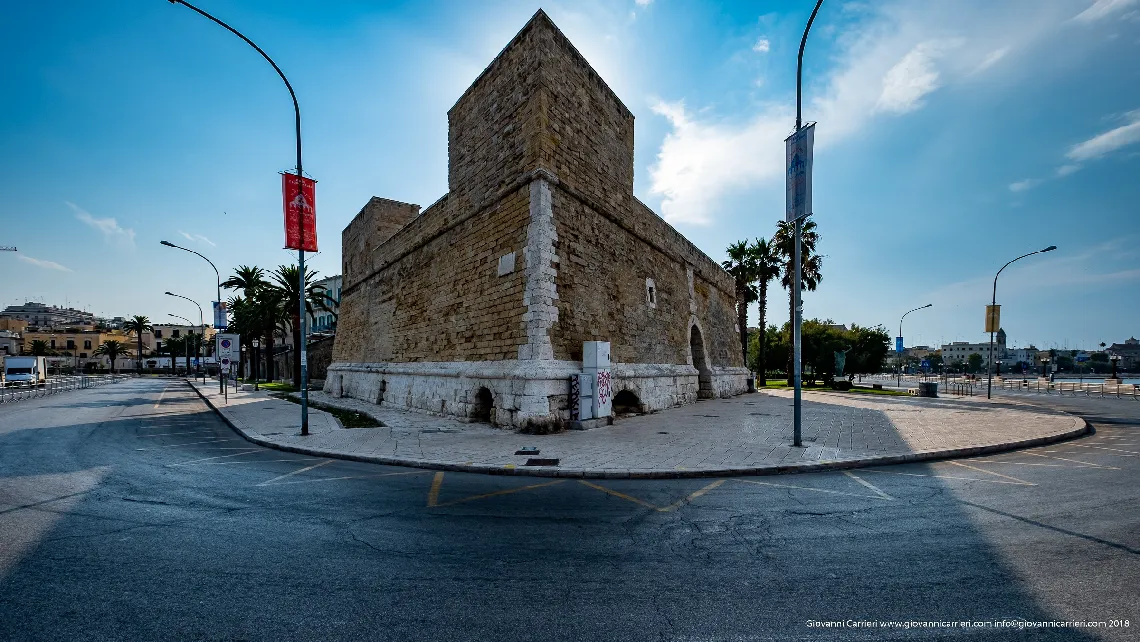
(526, 394)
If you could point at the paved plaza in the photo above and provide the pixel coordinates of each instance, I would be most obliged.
(749, 434)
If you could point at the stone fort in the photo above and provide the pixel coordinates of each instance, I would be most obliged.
(479, 306)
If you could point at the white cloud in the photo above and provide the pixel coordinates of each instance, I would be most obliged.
(1065, 170)
(915, 76)
(1101, 9)
(47, 265)
(110, 228)
(644, 3)
(699, 160)
(1109, 141)
(197, 237)
(762, 46)
(1021, 186)
(992, 59)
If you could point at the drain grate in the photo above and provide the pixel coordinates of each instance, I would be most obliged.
(662, 432)
(527, 450)
(541, 461)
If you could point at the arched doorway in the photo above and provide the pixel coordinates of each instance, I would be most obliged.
(704, 375)
(626, 403)
(484, 403)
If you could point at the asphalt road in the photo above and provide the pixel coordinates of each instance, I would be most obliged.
(131, 512)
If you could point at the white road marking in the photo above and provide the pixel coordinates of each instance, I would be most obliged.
(325, 479)
(297, 472)
(990, 472)
(1075, 461)
(194, 461)
(1131, 453)
(168, 434)
(988, 481)
(193, 443)
(818, 490)
(256, 461)
(868, 484)
(164, 389)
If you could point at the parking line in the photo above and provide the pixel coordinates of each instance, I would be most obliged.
(990, 472)
(1075, 461)
(1029, 463)
(325, 479)
(1131, 453)
(818, 490)
(868, 484)
(296, 472)
(615, 493)
(194, 461)
(691, 496)
(988, 481)
(195, 443)
(433, 494)
(256, 461)
(507, 491)
(168, 434)
(164, 389)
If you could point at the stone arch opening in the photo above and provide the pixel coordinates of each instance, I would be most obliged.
(626, 403)
(704, 375)
(484, 404)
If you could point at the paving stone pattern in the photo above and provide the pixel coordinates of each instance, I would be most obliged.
(743, 435)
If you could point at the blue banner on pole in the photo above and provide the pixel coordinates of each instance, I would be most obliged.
(899, 345)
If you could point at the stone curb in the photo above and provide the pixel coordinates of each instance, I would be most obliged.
(1080, 427)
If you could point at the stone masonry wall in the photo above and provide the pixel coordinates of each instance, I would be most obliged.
(435, 293)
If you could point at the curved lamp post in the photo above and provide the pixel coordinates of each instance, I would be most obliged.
(797, 302)
(993, 302)
(201, 323)
(923, 307)
(218, 278)
(300, 219)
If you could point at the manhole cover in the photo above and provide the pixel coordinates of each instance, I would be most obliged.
(662, 432)
(527, 450)
(541, 461)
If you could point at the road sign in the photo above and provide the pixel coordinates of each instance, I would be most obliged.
(993, 318)
(799, 165)
(229, 350)
(925, 363)
(899, 345)
(1084, 356)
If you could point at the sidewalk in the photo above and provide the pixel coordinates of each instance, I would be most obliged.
(745, 435)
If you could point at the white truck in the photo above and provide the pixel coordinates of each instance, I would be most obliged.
(25, 371)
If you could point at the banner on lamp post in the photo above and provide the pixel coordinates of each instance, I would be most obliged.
(993, 318)
(221, 316)
(799, 164)
(300, 202)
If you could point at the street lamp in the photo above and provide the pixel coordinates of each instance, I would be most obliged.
(256, 362)
(993, 304)
(797, 240)
(898, 349)
(301, 219)
(218, 278)
(1115, 359)
(187, 342)
(1044, 367)
(201, 323)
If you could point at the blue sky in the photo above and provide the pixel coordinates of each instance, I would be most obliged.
(952, 137)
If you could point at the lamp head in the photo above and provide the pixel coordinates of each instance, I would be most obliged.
(170, 293)
(1050, 248)
(167, 243)
(928, 305)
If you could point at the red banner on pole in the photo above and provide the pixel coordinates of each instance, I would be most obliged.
(299, 196)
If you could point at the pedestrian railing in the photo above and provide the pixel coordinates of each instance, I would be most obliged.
(10, 393)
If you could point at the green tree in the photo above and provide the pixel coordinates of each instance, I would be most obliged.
(137, 325)
(974, 363)
(935, 359)
(869, 349)
(112, 349)
(811, 264)
(286, 283)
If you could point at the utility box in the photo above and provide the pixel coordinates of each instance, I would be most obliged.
(596, 367)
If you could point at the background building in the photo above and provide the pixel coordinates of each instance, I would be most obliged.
(48, 316)
(325, 321)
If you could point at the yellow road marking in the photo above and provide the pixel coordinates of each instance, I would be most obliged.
(507, 491)
(1075, 461)
(868, 484)
(164, 389)
(326, 479)
(433, 494)
(690, 497)
(990, 472)
(615, 493)
(297, 472)
(1131, 453)
(194, 461)
(988, 481)
(818, 490)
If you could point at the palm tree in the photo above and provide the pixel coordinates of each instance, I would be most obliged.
(742, 267)
(113, 350)
(285, 283)
(247, 279)
(138, 324)
(259, 312)
(39, 348)
(766, 257)
(811, 266)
